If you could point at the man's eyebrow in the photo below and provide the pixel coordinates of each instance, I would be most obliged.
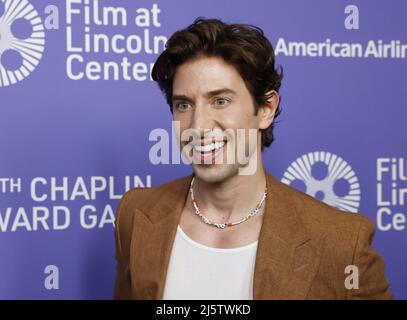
(181, 97)
(219, 91)
(208, 94)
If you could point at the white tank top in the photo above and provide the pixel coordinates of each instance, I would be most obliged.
(197, 271)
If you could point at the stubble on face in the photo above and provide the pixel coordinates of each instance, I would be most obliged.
(194, 79)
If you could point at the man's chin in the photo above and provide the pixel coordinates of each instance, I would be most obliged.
(215, 173)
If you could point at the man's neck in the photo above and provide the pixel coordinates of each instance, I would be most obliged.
(233, 198)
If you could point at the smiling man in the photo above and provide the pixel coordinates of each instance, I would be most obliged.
(230, 230)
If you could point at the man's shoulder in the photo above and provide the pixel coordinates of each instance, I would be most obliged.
(320, 217)
(339, 234)
(145, 198)
(142, 195)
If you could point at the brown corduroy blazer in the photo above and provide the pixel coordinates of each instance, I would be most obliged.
(304, 246)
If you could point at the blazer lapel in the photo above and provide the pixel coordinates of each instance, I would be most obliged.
(287, 258)
(154, 232)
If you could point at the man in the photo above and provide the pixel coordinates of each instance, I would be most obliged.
(223, 232)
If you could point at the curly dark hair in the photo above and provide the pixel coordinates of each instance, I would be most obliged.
(241, 45)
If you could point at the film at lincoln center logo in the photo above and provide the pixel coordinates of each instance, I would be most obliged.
(22, 40)
(326, 177)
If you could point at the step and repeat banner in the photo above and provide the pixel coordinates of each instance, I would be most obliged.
(79, 112)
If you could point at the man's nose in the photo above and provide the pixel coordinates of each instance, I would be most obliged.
(201, 120)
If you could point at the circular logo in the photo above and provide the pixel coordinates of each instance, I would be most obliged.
(22, 40)
(326, 177)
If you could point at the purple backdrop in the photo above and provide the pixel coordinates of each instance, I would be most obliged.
(60, 125)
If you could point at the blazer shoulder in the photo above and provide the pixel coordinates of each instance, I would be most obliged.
(320, 217)
(145, 198)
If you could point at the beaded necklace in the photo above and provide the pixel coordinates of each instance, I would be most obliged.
(205, 219)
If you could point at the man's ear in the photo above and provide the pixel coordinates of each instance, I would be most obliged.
(268, 109)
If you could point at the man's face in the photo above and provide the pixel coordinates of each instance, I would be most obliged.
(209, 94)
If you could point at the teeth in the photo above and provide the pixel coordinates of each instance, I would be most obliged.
(209, 147)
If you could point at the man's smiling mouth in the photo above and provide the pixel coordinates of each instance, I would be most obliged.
(205, 152)
(206, 148)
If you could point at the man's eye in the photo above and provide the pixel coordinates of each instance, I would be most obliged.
(183, 106)
(221, 101)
